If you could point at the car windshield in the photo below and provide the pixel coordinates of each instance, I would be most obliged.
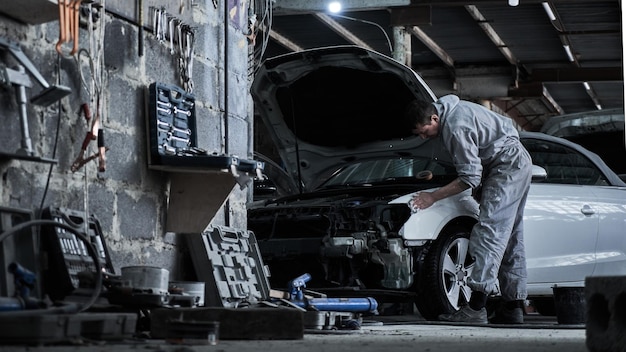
(393, 170)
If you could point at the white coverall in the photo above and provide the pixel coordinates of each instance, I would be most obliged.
(485, 147)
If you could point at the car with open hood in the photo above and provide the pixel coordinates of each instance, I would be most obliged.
(348, 168)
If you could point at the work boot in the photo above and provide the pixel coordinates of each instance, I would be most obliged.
(466, 315)
(504, 315)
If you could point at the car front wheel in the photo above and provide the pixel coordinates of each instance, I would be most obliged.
(442, 287)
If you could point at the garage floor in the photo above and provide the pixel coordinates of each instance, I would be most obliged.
(391, 333)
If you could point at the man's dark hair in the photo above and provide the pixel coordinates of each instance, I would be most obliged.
(418, 112)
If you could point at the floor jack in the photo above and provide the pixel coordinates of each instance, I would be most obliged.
(329, 313)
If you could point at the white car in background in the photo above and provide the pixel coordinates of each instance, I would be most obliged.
(334, 116)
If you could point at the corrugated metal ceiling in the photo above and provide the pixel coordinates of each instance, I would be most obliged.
(541, 82)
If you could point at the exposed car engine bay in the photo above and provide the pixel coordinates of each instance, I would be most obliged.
(347, 240)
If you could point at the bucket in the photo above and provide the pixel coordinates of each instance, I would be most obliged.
(570, 304)
(146, 278)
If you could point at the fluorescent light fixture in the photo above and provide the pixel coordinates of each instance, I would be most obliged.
(598, 106)
(587, 86)
(322, 5)
(568, 51)
(513, 2)
(334, 7)
(548, 10)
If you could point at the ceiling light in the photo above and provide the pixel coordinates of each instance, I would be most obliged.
(598, 106)
(587, 86)
(568, 51)
(513, 2)
(334, 7)
(548, 10)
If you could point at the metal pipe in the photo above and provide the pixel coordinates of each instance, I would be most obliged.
(365, 304)
(26, 143)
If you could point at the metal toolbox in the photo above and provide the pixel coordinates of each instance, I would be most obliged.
(67, 255)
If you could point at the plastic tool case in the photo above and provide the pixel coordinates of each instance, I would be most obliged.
(172, 128)
(67, 254)
(229, 262)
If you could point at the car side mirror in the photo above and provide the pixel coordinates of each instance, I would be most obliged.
(538, 174)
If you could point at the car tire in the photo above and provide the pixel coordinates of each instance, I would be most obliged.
(442, 287)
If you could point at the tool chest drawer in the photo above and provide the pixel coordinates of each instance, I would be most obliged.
(67, 254)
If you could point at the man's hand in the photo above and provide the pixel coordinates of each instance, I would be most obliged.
(423, 200)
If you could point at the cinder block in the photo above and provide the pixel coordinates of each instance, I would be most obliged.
(606, 313)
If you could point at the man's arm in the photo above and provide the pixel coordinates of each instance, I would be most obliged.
(423, 200)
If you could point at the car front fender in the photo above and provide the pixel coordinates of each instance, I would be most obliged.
(426, 224)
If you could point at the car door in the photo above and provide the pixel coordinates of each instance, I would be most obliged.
(560, 233)
(561, 217)
(611, 246)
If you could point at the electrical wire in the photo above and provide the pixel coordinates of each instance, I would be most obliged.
(264, 27)
(56, 137)
(370, 23)
(70, 307)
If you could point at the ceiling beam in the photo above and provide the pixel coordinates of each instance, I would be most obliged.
(535, 90)
(492, 34)
(282, 40)
(432, 45)
(484, 2)
(577, 74)
(341, 30)
(547, 97)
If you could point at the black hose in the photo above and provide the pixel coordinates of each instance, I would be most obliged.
(69, 307)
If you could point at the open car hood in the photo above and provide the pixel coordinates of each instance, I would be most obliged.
(327, 107)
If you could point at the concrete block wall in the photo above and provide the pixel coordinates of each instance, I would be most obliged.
(129, 199)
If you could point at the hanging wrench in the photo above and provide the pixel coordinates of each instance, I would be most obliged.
(184, 112)
(171, 137)
(168, 150)
(164, 110)
(162, 103)
(166, 127)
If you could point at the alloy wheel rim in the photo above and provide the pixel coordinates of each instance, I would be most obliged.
(456, 269)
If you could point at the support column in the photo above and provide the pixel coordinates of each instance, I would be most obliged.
(402, 45)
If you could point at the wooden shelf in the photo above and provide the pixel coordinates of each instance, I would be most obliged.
(31, 11)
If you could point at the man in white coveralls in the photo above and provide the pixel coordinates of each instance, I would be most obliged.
(486, 152)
